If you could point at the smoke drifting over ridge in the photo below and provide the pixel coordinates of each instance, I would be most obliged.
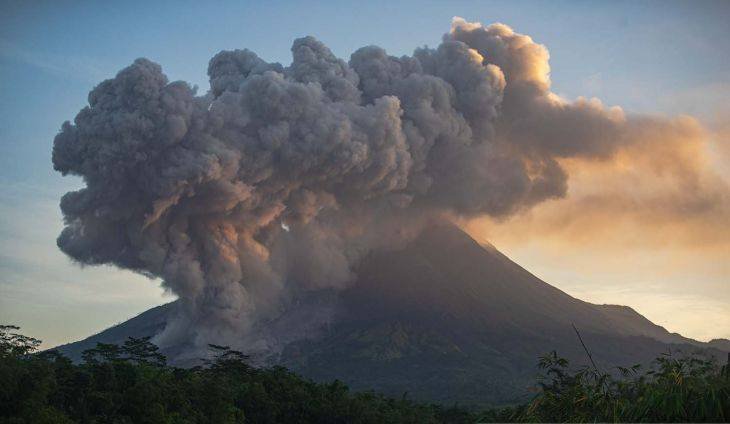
(279, 179)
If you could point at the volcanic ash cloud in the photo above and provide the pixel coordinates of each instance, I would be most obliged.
(276, 181)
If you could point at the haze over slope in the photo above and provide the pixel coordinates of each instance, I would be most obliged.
(447, 275)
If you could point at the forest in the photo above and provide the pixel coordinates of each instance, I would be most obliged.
(133, 383)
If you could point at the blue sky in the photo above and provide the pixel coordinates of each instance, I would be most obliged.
(659, 57)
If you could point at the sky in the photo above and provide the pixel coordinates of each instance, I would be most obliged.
(662, 58)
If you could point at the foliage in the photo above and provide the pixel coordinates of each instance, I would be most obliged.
(676, 389)
(14, 344)
(133, 384)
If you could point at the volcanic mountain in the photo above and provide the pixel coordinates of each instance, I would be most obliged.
(449, 320)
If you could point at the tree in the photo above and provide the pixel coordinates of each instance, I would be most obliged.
(137, 350)
(142, 351)
(14, 344)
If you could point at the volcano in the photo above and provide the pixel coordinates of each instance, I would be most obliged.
(446, 319)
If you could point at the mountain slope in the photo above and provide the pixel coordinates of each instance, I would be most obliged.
(148, 323)
(449, 320)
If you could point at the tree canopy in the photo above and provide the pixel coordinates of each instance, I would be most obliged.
(133, 383)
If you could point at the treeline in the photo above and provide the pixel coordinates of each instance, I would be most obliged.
(132, 383)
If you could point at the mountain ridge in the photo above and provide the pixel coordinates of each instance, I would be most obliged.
(449, 320)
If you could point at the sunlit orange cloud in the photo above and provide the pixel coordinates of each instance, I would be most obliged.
(648, 227)
(659, 190)
(720, 146)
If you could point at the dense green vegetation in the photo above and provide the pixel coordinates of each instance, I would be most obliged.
(133, 384)
(676, 389)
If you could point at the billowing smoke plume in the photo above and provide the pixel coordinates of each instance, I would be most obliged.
(275, 182)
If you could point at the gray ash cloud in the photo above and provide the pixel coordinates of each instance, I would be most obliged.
(279, 179)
